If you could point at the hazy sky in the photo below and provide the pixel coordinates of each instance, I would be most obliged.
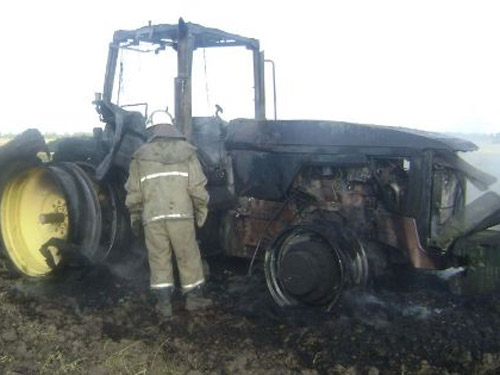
(433, 65)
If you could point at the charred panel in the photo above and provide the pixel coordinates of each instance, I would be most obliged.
(264, 175)
(418, 202)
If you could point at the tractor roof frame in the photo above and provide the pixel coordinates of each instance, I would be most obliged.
(184, 38)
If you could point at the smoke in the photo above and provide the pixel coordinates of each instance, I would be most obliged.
(380, 311)
(131, 263)
(449, 273)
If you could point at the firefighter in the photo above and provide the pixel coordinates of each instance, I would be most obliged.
(165, 195)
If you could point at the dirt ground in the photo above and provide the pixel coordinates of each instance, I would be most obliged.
(99, 322)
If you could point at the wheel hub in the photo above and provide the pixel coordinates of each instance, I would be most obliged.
(26, 198)
(52, 213)
(312, 265)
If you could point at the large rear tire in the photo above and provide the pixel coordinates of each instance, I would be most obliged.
(58, 213)
(312, 265)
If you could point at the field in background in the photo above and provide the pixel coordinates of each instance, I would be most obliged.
(48, 138)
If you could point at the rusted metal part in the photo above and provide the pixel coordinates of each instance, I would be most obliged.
(255, 222)
(401, 233)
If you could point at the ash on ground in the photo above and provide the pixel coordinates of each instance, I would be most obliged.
(99, 321)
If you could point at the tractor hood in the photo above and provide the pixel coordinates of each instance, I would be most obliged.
(268, 154)
(333, 137)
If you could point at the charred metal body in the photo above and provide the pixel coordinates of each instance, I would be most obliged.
(326, 205)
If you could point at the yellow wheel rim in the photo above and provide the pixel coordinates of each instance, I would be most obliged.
(33, 210)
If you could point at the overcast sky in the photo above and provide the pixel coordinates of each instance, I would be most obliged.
(432, 65)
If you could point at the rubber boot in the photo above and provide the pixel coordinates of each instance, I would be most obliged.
(163, 304)
(195, 300)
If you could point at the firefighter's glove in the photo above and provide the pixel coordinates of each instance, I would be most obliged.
(201, 217)
(136, 224)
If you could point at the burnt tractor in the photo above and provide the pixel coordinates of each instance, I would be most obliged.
(326, 205)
